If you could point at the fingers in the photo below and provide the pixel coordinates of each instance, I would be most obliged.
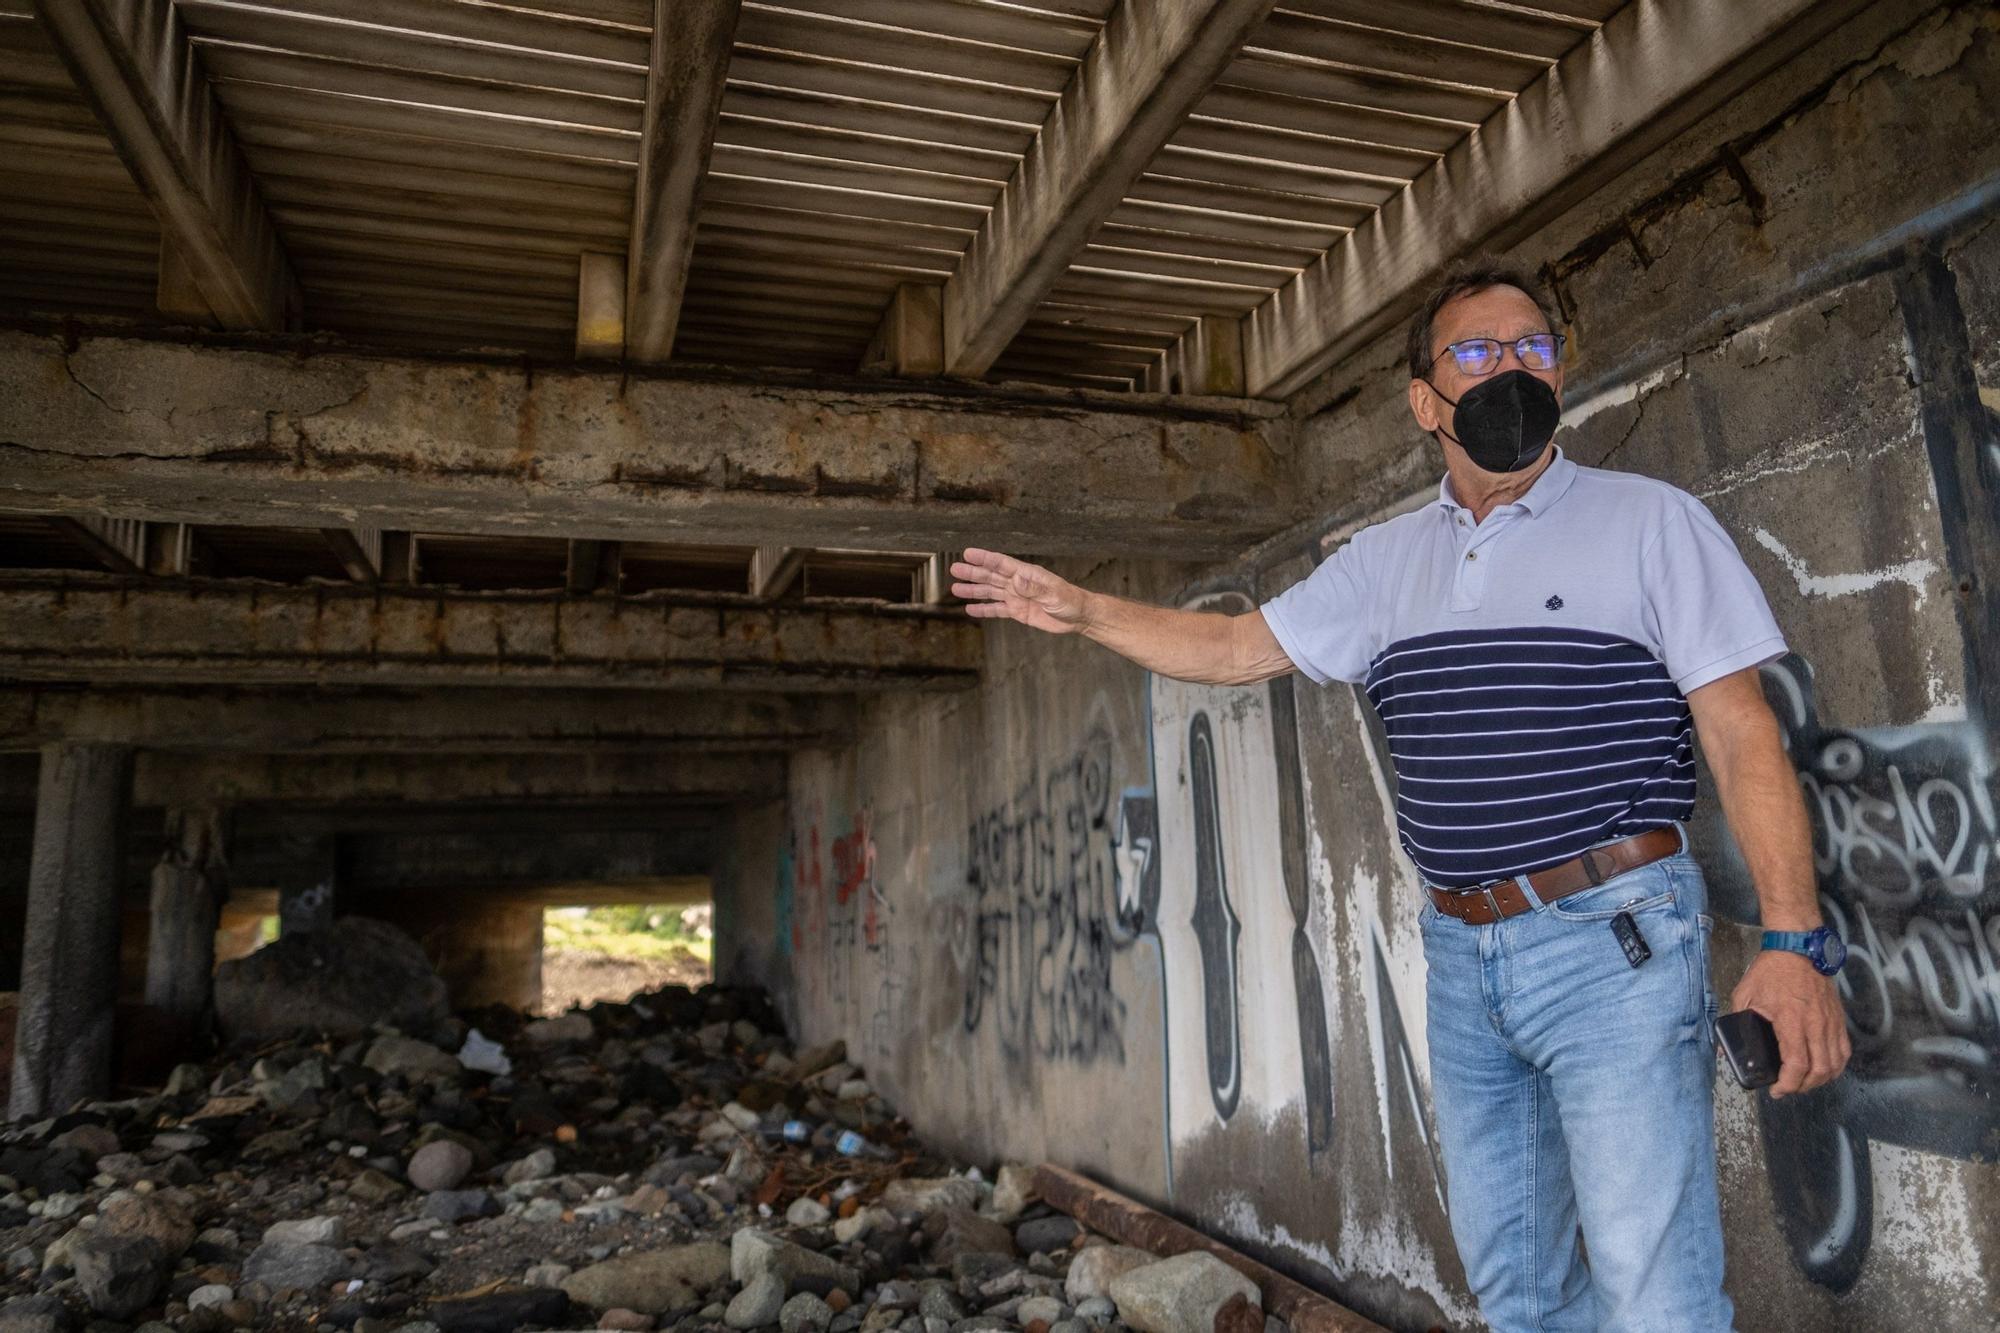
(1795, 1063)
(985, 575)
(981, 563)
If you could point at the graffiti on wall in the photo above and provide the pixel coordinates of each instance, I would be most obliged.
(1904, 847)
(1047, 906)
(1234, 907)
(831, 897)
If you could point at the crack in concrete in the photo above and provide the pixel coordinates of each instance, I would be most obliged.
(1728, 159)
(77, 380)
(123, 455)
(1639, 401)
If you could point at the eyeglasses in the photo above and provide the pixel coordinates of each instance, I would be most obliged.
(1481, 356)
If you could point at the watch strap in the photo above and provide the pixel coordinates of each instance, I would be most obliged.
(1791, 941)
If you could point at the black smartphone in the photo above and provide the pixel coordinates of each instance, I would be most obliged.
(1750, 1044)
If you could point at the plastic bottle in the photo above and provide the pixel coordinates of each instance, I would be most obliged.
(797, 1131)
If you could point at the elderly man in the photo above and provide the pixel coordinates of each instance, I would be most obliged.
(1543, 642)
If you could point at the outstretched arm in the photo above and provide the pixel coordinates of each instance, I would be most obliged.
(1205, 647)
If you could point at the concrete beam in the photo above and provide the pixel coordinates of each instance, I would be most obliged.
(202, 631)
(669, 890)
(266, 435)
(423, 779)
(1214, 356)
(501, 862)
(1142, 76)
(600, 307)
(690, 59)
(1650, 72)
(133, 61)
(457, 721)
(910, 340)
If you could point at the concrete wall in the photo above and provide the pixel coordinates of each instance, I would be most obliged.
(1164, 934)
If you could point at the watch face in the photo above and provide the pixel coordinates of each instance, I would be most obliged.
(1832, 951)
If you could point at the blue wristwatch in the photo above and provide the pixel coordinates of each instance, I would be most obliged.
(1825, 950)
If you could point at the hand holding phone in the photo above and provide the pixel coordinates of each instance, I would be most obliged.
(1750, 1044)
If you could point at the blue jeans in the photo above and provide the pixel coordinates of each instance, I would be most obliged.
(1574, 1107)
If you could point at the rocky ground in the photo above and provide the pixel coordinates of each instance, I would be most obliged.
(572, 979)
(666, 1163)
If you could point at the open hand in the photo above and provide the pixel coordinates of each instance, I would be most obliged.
(999, 586)
(1805, 1009)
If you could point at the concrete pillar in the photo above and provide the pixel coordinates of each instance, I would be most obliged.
(69, 962)
(187, 893)
(308, 883)
(752, 942)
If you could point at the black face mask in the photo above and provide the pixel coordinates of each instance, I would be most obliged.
(1504, 422)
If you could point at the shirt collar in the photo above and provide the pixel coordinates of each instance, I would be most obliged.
(1541, 497)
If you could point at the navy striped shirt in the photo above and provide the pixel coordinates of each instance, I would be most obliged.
(1531, 670)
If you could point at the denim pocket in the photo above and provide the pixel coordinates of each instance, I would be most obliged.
(1612, 897)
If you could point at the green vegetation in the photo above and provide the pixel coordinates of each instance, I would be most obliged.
(623, 932)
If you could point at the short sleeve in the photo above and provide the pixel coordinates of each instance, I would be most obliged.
(1321, 621)
(1703, 604)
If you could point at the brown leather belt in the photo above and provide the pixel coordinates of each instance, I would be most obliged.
(1504, 898)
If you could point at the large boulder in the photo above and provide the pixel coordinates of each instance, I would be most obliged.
(754, 1251)
(1183, 1294)
(122, 1263)
(1094, 1269)
(354, 974)
(652, 1282)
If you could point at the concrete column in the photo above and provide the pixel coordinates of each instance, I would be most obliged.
(188, 889)
(309, 882)
(752, 942)
(69, 962)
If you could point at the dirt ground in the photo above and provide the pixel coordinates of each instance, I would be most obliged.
(572, 979)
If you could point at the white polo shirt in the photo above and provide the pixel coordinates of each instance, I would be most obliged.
(1531, 671)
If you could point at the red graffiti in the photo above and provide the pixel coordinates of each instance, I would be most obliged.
(817, 920)
(853, 861)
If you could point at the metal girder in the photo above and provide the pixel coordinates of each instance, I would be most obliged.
(1142, 76)
(132, 60)
(1651, 71)
(202, 631)
(267, 436)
